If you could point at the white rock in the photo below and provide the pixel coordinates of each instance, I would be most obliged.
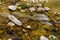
(11, 24)
(32, 9)
(40, 9)
(43, 38)
(10, 39)
(40, 17)
(14, 20)
(47, 8)
(28, 26)
(12, 7)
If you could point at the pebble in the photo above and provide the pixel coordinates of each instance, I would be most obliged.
(32, 9)
(47, 8)
(40, 9)
(43, 38)
(12, 7)
(17, 4)
(11, 24)
(28, 26)
(40, 5)
(52, 36)
(14, 20)
(9, 39)
(22, 10)
(32, 1)
(0, 3)
(0, 39)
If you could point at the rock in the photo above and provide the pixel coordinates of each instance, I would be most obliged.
(0, 3)
(28, 26)
(9, 39)
(14, 20)
(40, 9)
(50, 24)
(11, 24)
(43, 38)
(32, 1)
(17, 4)
(28, 4)
(47, 9)
(32, 9)
(47, 1)
(0, 39)
(12, 7)
(39, 5)
(40, 17)
(22, 10)
(52, 37)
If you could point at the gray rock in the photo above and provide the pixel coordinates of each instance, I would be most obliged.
(14, 20)
(40, 17)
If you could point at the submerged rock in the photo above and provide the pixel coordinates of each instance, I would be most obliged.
(14, 20)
